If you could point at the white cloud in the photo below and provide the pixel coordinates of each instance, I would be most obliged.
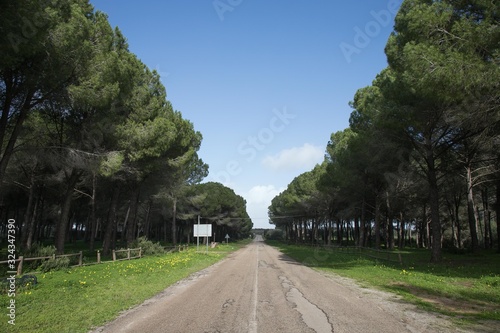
(258, 200)
(261, 194)
(305, 157)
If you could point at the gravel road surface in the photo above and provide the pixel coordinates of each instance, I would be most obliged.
(258, 289)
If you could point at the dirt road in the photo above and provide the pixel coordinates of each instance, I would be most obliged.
(258, 289)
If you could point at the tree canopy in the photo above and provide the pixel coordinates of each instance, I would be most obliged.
(90, 146)
(420, 157)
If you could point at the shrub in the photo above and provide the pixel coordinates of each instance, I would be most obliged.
(148, 247)
(38, 250)
(54, 264)
(45, 251)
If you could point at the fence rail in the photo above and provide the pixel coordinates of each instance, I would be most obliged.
(178, 248)
(139, 255)
(21, 259)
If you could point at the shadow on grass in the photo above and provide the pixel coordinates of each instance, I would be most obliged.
(463, 285)
(472, 304)
(466, 266)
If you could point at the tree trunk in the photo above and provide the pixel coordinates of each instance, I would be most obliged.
(14, 134)
(377, 222)
(339, 231)
(29, 211)
(165, 227)
(62, 227)
(486, 218)
(111, 222)
(32, 224)
(402, 232)
(362, 226)
(93, 221)
(314, 231)
(497, 211)
(328, 232)
(471, 212)
(147, 223)
(132, 220)
(390, 227)
(174, 221)
(435, 241)
(356, 230)
(39, 229)
(436, 255)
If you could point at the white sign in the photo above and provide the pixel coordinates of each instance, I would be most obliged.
(202, 230)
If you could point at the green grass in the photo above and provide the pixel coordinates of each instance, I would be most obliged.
(77, 299)
(465, 287)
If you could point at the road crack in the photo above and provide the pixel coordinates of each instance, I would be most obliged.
(314, 317)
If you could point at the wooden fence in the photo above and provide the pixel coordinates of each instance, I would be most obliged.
(138, 254)
(22, 259)
(178, 248)
(125, 250)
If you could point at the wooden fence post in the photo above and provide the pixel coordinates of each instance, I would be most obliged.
(140, 252)
(114, 255)
(128, 254)
(98, 257)
(80, 259)
(20, 266)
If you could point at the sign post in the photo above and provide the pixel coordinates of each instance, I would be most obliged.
(198, 238)
(227, 238)
(202, 230)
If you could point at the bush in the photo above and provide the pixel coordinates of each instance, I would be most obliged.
(45, 265)
(148, 247)
(38, 250)
(54, 264)
(45, 251)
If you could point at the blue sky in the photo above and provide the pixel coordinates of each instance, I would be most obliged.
(265, 82)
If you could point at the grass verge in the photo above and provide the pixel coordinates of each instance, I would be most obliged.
(77, 299)
(465, 287)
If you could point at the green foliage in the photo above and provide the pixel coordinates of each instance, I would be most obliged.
(148, 247)
(39, 250)
(111, 164)
(54, 264)
(429, 116)
(225, 208)
(90, 117)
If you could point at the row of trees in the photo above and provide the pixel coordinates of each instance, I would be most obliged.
(420, 159)
(90, 146)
